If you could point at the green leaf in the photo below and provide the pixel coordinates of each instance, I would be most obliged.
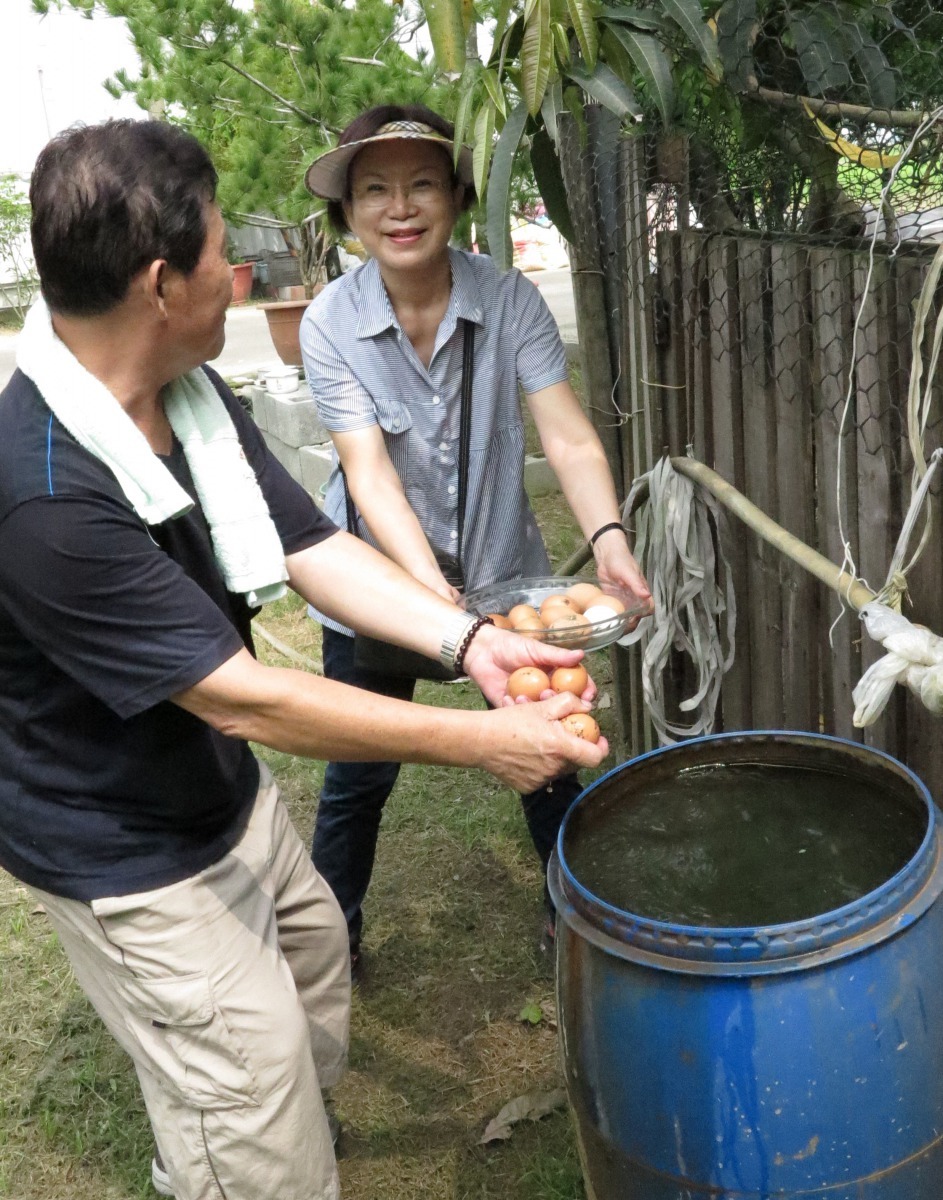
(584, 26)
(499, 188)
(447, 33)
(536, 56)
(605, 86)
(737, 29)
(553, 104)
(652, 63)
(532, 1014)
(821, 56)
(484, 145)
(561, 44)
(500, 24)
(879, 76)
(633, 16)
(466, 102)
(549, 177)
(689, 16)
(495, 91)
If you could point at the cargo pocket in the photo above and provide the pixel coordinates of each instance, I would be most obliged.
(185, 1036)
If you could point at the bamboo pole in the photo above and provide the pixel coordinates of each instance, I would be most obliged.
(856, 593)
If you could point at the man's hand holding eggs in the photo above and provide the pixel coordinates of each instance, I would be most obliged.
(531, 683)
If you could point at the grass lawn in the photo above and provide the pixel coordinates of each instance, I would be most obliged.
(438, 1043)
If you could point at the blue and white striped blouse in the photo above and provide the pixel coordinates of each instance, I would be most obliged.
(363, 370)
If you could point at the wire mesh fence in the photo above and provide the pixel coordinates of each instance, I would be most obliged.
(747, 292)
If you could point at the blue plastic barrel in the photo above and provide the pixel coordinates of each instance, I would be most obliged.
(800, 1060)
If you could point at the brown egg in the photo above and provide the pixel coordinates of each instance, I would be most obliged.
(529, 682)
(583, 595)
(520, 611)
(500, 620)
(553, 612)
(607, 601)
(528, 626)
(557, 600)
(569, 679)
(582, 725)
(571, 620)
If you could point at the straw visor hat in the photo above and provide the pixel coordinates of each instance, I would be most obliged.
(327, 175)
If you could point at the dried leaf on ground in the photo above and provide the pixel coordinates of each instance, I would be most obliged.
(530, 1107)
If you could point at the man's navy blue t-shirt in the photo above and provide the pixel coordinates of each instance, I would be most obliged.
(106, 786)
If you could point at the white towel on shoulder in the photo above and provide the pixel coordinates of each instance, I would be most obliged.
(246, 544)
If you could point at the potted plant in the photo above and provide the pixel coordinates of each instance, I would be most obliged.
(304, 267)
(241, 276)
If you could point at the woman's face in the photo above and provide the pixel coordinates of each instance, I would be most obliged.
(402, 203)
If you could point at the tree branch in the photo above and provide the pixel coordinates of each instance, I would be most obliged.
(902, 118)
(299, 112)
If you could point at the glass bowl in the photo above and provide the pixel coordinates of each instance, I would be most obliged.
(501, 597)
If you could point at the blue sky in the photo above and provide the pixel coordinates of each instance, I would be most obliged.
(53, 68)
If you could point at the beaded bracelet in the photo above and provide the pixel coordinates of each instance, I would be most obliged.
(463, 645)
(605, 529)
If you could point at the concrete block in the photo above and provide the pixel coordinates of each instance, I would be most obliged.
(256, 405)
(539, 478)
(295, 418)
(315, 469)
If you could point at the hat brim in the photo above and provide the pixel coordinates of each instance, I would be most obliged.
(327, 175)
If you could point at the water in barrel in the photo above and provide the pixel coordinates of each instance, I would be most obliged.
(743, 844)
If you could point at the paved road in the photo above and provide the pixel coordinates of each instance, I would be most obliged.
(249, 347)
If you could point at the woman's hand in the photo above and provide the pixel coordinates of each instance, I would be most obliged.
(615, 564)
(495, 653)
(525, 745)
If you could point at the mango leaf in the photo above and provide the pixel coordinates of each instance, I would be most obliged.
(737, 29)
(549, 178)
(509, 48)
(498, 215)
(879, 75)
(447, 33)
(605, 86)
(500, 23)
(822, 57)
(536, 56)
(553, 104)
(531, 1107)
(633, 16)
(466, 102)
(495, 90)
(651, 62)
(531, 1014)
(584, 26)
(561, 45)
(484, 145)
(688, 15)
(529, 6)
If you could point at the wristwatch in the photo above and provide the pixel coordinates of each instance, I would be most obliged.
(458, 628)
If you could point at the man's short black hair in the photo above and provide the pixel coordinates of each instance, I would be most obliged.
(107, 201)
(367, 124)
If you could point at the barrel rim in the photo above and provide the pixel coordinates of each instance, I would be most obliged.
(742, 944)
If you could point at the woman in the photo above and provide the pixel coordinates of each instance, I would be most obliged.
(383, 349)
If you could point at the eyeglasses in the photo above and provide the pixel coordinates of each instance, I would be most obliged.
(421, 192)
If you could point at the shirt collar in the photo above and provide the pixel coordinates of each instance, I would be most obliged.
(376, 313)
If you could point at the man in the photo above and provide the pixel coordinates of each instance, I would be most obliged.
(141, 522)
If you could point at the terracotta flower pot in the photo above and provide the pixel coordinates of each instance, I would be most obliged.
(284, 321)
(241, 282)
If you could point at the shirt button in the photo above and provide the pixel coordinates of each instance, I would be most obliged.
(396, 421)
(451, 490)
(443, 445)
(454, 534)
(436, 400)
